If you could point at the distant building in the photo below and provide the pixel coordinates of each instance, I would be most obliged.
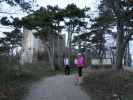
(109, 53)
(33, 49)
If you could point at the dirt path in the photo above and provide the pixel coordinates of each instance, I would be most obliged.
(58, 87)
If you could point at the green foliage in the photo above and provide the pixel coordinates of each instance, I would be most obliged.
(5, 21)
(88, 60)
(75, 21)
(120, 11)
(47, 20)
(95, 37)
(44, 21)
(127, 98)
(75, 18)
(72, 11)
(111, 14)
(14, 38)
(25, 5)
(16, 23)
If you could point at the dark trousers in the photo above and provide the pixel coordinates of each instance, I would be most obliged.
(67, 70)
(80, 71)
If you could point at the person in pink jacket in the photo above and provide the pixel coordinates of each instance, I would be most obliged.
(80, 63)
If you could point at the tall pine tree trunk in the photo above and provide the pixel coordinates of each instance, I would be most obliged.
(50, 47)
(59, 64)
(51, 59)
(120, 46)
(69, 41)
(59, 51)
(119, 55)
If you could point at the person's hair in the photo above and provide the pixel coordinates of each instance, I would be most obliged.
(65, 56)
(79, 53)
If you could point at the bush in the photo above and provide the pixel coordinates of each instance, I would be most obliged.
(14, 77)
(107, 85)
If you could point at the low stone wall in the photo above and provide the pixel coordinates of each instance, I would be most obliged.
(105, 66)
(126, 68)
(106, 61)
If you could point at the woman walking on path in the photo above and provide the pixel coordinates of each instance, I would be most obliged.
(66, 65)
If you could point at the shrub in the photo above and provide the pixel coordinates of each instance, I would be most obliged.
(107, 85)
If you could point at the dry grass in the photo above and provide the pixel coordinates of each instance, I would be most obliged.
(109, 85)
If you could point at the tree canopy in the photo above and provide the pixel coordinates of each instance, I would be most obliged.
(24, 4)
(13, 38)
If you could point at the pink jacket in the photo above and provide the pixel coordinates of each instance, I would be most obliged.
(80, 61)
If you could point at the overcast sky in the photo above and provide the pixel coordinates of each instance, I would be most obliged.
(64, 3)
(61, 3)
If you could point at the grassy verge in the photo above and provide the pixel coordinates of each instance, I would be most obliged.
(127, 98)
(15, 79)
(109, 85)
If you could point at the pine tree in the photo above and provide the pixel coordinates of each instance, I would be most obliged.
(120, 10)
(12, 39)
(46, 21)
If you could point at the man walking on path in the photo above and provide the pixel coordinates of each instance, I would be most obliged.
(66, 65)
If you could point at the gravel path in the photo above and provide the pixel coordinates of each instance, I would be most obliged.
(58, 87)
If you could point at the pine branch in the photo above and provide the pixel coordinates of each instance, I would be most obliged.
(7, 12)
